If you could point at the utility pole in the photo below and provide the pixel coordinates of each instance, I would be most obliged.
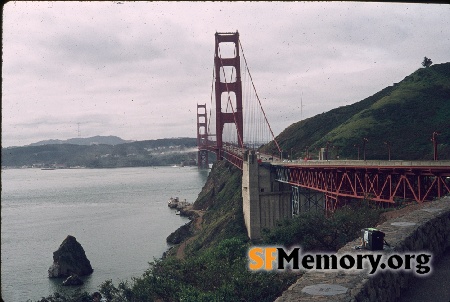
(326, 151)
(357, 146)
(435, 143)
(365, 140)
(78, 129)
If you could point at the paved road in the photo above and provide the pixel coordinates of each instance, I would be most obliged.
(435, 288)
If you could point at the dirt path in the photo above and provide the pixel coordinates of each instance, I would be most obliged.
(198, 226)
(399, 212)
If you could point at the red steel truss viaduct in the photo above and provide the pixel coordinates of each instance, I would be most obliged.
(379, 181)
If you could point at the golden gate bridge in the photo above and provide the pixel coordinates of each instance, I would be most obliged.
(237, 124)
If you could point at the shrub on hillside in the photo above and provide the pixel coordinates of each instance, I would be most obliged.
(317, 232)
(218, 274)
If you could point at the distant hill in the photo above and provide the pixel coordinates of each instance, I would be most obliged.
(135, 154)
(95, 140)
(404, 115)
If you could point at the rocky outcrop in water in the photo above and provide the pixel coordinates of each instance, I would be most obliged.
(69, 259)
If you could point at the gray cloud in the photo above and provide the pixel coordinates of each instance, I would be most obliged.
(138, 69)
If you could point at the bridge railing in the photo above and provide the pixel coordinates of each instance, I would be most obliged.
(368, 163)
(235, 154)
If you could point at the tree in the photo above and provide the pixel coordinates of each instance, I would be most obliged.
(427, 62)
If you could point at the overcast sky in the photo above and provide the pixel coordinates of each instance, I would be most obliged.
(137, 70)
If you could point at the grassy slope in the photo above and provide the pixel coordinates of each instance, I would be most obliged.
(405, 115)
(222, 199)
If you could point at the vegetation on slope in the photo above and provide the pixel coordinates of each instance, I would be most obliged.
(316, 232)
(404, 116)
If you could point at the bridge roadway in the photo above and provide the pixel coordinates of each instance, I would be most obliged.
(442, 166)
(363, 163)
(239, 152)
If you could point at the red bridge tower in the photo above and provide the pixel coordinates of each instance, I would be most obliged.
(220, 64)
(202, 136)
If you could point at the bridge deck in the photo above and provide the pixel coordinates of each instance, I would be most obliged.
(365, 163)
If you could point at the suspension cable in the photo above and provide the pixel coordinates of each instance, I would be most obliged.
(257, 97)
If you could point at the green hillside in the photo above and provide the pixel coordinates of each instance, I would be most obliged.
(404, 115)
(158, 152)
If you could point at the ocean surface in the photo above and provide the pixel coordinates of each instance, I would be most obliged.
(119, 216)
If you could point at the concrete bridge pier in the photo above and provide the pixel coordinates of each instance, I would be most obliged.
(265, 201)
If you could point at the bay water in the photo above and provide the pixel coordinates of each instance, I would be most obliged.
(120, 217)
